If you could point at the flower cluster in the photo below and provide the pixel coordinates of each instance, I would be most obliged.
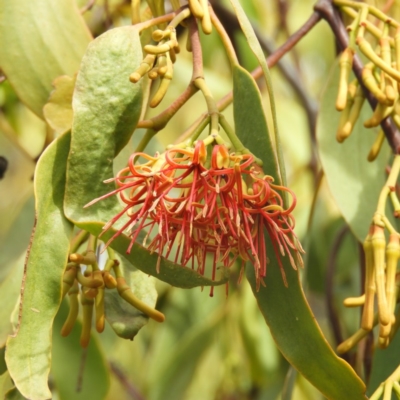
(196, 206)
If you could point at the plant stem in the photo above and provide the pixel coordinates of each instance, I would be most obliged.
(273, 59)
(154, 21)
(149, 134)
(211, 105)
(226, 41)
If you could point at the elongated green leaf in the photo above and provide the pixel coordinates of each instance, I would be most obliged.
(72, 379)
(298, 336)
(28, 354)
(40, 40)
(257, 340)
(106, 110)
(250, 123)
(285, 310)
(124, 319)
(354, 182)
(258, 52)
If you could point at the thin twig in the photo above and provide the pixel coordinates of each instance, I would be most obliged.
(283, 8)
(327, 11)
(81, 370)
(108, 19)
(131, 390)
(88, 6)
(196, 50)
(159, 121)
(332, 314)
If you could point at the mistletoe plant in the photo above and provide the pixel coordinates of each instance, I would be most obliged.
(121, 205)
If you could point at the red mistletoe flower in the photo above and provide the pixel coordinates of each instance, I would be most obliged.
(195, 206)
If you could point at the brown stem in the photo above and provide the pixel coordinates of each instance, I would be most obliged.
(196, 50)
(159, 121)
(108, 19)
(332, 314)
(130, 389)
(258, 73)
(81, 370)
(328, 12)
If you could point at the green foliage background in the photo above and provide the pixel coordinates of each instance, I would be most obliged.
(208, 348)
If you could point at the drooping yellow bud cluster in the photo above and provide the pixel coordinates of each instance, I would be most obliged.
(381, 279)
(88, 289)
(381, 75)
(160, 57)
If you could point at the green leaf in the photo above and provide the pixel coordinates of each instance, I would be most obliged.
(250, 122)
(58, 110)
(354, 182)
(384, 362)
(252, 40)
(106, 110)
(28, 354)
(298, 336)
(124, 319)
(40, 40)
(10, 289)
(285, 310)
(71, 364)
(257, 340)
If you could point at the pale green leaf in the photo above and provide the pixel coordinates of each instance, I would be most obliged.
(106, 110)
(58, 110)
(28, 354)
(40, 40)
